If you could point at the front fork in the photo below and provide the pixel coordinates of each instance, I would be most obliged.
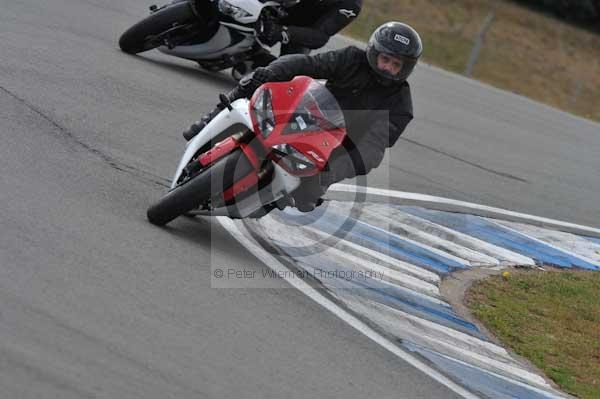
(260, 169)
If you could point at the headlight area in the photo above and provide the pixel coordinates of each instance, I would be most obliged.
(229, 9)
(292, 159)
(263, 109)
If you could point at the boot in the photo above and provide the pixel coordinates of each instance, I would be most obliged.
(308, 196)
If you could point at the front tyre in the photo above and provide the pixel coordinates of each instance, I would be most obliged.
(140, 36)
(200, 188)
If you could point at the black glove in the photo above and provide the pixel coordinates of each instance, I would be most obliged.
(197, 126)
(249, 83)
(271, 33)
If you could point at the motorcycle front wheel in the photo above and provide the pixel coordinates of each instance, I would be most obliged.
(195, 192)
(140, 36)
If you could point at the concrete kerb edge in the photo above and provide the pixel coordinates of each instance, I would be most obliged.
(345, 192)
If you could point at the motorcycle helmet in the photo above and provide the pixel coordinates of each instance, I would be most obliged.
(400, 47)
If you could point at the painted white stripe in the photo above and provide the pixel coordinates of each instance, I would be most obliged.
(503, 255)
(428, 240)
(494, 221)
(386, 217)
(436, 251)
(394, 325)
(329, 283)
(298, 236)
(446, 204)
(307, 236)
(394, 263)
(550, 393)
(273, 263)
(567, 242)
(427, 328)
(390, 275)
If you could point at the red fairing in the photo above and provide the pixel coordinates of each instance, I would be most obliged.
(225, 147)
(298, 123)
(240, 186)
(306, 117)
(220, 149)
(316, 147)
(251, 155)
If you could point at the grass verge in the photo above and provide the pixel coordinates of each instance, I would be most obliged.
(551, 318)
(524, 52)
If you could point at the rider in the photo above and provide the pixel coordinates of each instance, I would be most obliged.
(300, 31)
(362, 81)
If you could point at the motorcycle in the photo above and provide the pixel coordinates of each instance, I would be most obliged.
(218, 34)
(255, 153)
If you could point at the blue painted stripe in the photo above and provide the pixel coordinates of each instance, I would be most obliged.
(477, 379)
(325, 263)
(498, 235)
(381, 292)
(377, 239)
(592, 239)
(391, 297)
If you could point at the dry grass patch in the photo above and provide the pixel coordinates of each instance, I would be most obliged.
(552, 318)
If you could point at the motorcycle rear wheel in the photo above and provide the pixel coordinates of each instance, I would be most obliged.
(200, 188)
(138, 38)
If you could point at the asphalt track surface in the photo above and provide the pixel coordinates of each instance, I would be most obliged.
(96, 302)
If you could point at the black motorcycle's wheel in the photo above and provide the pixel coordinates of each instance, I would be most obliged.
(140, 36)
(200, 188)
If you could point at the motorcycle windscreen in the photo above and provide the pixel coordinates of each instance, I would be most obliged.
(318, 111)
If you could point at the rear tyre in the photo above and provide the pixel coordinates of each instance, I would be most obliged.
(200, 188)
(138, 38)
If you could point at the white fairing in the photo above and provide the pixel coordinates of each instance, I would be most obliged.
(282, 182)
(252, 7)
(226, 118)
(220, 44)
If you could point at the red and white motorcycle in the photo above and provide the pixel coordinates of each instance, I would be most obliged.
(255, 152)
